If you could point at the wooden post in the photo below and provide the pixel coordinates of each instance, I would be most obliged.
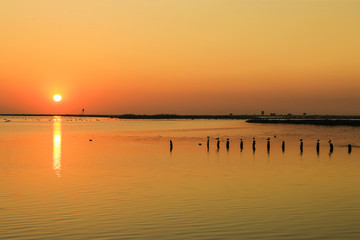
(318, 146)
(208, 143)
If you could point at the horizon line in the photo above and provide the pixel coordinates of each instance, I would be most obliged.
(190, 116)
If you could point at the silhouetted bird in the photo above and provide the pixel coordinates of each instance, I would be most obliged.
(227, 144)
(301, 145)
(253, 144)
(241, 144)
(318, 146)
(171, 145)
(268, 144)
(349, 148)
(283, 146)
(331, 146)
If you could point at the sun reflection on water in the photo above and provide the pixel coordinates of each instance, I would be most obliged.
(57, 146)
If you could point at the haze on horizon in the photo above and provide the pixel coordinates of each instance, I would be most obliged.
(180, 56)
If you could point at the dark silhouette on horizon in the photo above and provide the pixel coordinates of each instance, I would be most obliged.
(218, 143)
(254, 144)
(301, 146)
(227, 144)
(283, 146)
(349, 148)
(241, 144)
(171, 146)
(268, 144)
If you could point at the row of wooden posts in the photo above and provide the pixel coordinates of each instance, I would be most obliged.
(267, 145)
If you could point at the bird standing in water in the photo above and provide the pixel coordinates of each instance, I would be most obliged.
(331, 146)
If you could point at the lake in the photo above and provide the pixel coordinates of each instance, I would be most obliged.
(126, 184)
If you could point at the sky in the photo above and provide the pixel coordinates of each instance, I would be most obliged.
(180, 56)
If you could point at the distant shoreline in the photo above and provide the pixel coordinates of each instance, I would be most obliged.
(324, 122)
(328, 120)
(140, 116)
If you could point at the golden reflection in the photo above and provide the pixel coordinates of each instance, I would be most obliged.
(57, 146)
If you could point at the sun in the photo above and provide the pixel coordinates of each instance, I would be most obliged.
(57, 97)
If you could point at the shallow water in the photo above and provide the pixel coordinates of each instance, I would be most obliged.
(125, 183)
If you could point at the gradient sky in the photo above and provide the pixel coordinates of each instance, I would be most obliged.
(180, 56)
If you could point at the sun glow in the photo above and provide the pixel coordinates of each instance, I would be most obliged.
(57, 98)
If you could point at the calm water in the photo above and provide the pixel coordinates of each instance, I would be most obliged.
(125, 184)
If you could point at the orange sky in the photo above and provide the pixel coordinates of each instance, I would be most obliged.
(180, 56)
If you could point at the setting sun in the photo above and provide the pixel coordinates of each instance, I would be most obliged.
(57, 98)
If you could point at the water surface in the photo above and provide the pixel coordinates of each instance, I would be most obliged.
(126, 184)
